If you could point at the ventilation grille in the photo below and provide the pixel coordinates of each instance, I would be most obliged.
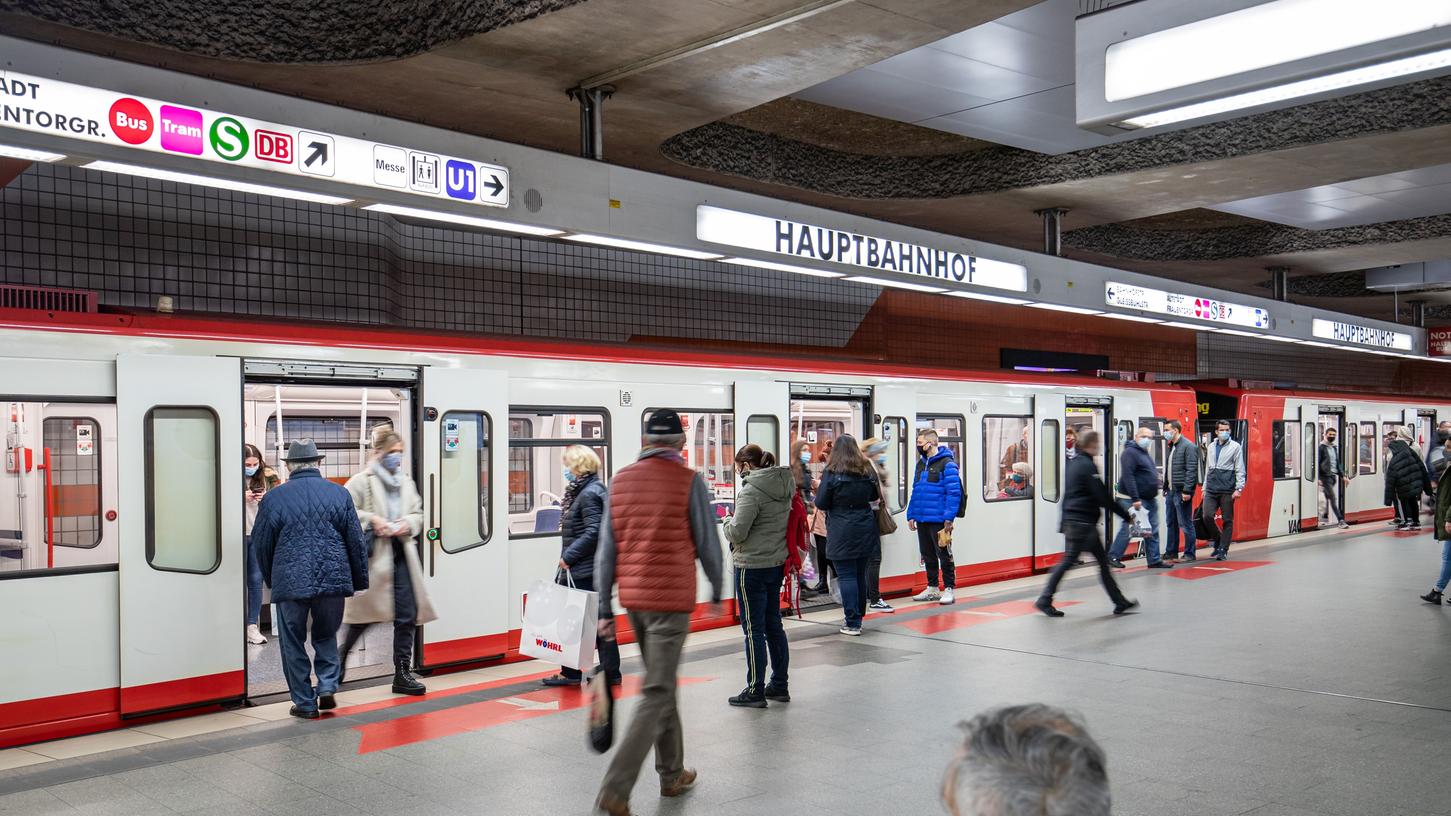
(46, 299)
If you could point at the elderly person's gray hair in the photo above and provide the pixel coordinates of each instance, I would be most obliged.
(1027, 760)
(675, 441)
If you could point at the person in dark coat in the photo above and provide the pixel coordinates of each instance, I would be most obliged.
(1140, 483)
(1085, 497)
(312, 553)
(1406, 479)
(580, 512)
(847, 493)
(1332, 475)
(1181, 479)
(1441, 530)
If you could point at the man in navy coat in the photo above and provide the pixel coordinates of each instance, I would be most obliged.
(312, 552)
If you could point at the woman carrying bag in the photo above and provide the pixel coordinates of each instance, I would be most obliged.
(580, 513)
(849, 495)
(390, 510)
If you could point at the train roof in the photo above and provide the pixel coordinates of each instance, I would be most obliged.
(1232, 390)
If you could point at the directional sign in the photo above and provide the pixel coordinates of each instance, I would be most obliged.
(1158, 301)
(66, 110)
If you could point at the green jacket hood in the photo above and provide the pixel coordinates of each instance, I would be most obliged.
(776, 483)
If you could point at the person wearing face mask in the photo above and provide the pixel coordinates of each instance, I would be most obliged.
(259, 478)
(1070, 442)
(391, 511)
(1182, 476)
(1020, 482)
(1440, 455)
(937, 500)
(1223, 484)
(876, 451)
(1406, 479)
(1332, 475)
(1139, 481)
(757, 535)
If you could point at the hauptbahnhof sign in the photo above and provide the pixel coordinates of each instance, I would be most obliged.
(811, 243)
(1363, 335)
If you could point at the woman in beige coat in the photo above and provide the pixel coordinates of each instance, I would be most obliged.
(390, 510)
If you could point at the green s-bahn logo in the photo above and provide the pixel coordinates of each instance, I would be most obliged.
(229, 138)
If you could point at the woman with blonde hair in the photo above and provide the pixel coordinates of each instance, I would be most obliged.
(580, 513)
(391, 510)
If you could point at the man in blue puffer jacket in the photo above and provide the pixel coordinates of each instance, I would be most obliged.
(936, 501)
(312, 553)
(1140, 482)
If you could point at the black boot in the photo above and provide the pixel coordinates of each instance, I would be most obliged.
(405, 683)
(1434, 596)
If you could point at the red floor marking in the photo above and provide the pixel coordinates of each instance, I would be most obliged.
(412, 728)
(965, 618)
(402, 700)
(916, 607)
(1212, 569)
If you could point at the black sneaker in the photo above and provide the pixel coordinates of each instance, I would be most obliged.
(1116, 564)
(1161, 565)
(1124, 606)
(1434, 596)
(1047, 608)
(778, 694)
(1221, 557)
(326, 702)
(748, 699)
(304, 713)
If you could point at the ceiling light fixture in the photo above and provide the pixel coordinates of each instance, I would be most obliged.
(642, 246)
(1133, 318)
(29, 154)
(780, 267)
(1181, 325)
(1280, 338)
(1236, 332)
(895, 284)
(466, 220)
(209, 181)
(1011, 301)
(1058, 307)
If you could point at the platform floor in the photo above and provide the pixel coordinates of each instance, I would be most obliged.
(1312, 683)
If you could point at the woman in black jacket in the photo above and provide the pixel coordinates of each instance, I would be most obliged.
(847, 493)
(580, 513)
(1406, 479)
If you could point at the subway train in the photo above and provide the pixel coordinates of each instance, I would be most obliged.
(122, 555)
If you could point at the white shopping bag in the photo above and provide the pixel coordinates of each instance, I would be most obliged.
(559, 624)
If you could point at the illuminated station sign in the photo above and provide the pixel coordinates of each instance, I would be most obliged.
(41, 105)
(1362, 335)
(1174, 304)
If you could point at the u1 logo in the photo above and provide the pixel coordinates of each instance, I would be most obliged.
(229, 138)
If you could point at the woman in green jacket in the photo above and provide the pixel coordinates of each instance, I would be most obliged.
(757, 535)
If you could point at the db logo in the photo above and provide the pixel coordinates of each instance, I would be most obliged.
(551, 646)
(130, 121)
(274, 147)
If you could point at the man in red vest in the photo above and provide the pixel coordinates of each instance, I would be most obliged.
(657, 521)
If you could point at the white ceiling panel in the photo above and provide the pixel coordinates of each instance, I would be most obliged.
(958, 74)
(889, 97)
(1373, 200)
(1024, 52)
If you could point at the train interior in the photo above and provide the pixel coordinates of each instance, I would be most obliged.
(340, 419)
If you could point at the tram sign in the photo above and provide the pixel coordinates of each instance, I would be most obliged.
(41, 105)
(1158, 301)
(777, 235)
(1363, 335)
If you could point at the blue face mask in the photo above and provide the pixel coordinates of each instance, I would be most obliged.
(569, 476)
(392, 461)
(1018, 478)
(1224, 436)
(251, 471)
(1146, 442)
(806, 457)
(882, 460)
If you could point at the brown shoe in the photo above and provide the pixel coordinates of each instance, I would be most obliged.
(612, 806)
(682, 783)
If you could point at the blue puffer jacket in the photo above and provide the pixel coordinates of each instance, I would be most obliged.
(308, 540)
(936, 489)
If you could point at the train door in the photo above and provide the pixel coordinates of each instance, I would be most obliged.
(1054, 434)
(1425, 430)
(999, 478)
(1083, 414)
(1328, 418)
(179, 419)
(466, 541)
(893, 410)
(758, 406)
(819, 414)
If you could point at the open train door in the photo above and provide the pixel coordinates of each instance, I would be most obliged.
(181, 531)
(1050, 415)
(759, 405)
(893, 420)
(465, 489)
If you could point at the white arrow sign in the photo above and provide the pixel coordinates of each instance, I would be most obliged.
(985, 614)
(530, 705)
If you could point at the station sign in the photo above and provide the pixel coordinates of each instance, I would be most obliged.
(806, 242)
(1362, 335)
(1438, 341)
(1174, 304)
(48, 106)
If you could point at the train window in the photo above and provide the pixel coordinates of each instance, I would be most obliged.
(764, 430)
(1312, 451)
(710, 448)
(1389, 431)
(1156, 450)
(1284, 449)
(464, 521)
(949, 431)
(1048, 459)
(1007, 447)
(1367, 449)
(537, 439)
(337, 437)
(894, 433)
(183, 478)
(74, 502)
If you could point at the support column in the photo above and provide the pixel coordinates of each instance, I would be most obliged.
(1052, 229)
(1418, 313)
(1280, 282)
(592, 119)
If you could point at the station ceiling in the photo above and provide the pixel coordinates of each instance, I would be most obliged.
(951, 115)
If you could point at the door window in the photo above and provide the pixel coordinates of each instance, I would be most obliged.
(894, 433)
(183, 477)
(1312, 460)
(1284, 457)
(1048, 453)
(764, 430)
(464, 514)
(73, 504)
(1367, 449)
(537, 439)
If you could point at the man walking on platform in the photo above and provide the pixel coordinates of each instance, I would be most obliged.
(1223, 484)
(1182, 476)
(1331, 476)
(657, 522)
(1085, 497)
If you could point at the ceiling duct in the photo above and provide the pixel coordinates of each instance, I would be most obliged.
(1423, 276)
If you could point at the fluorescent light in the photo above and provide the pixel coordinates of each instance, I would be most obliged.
(1134, 318)
(1237, 332)
(1279, 338)
(1271, 33)
(642, 246)
(1318, 344)
(780, 267)
(29, 153)
(1058, 307)
(466, 220)
(915, 287)
(1180, 325)
(1011, 301)
(1280, 93)
(209, 181)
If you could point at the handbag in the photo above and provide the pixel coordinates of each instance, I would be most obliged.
(601, 712)
(886, 525)
(559, 623)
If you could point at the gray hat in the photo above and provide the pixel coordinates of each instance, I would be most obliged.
(302, 450)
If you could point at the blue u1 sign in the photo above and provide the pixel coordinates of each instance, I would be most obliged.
(461, 180)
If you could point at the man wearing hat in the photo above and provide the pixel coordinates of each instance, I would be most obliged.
(657, 523)
(311, 550)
